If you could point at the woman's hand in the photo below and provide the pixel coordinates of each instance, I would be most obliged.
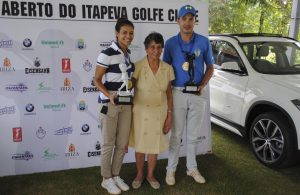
(168, 123)
(112, 98)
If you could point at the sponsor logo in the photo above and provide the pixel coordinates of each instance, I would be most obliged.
(6, 44)
(67, 86)
(37, 63)
(53, 43)
(49, 156)
(95, 153)
(82, 106)
(27, 43)
(29, 109)
(81, 44)
(25, 156)
(55, 107)
(40, 133)
(85, 129)
(17, 134)
(71, 152)
(66, 65)
(87, 65)
(42, 88)
(133, 47)
(105, 44)
(19, 87)
(64, 131)
(7, 110)
(90, 89)
(7, 66)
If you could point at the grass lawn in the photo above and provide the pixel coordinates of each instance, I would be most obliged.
(231, 169)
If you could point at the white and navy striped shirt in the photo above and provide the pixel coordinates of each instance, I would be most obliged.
(110, 59)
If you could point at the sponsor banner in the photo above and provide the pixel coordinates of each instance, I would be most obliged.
(49, 117)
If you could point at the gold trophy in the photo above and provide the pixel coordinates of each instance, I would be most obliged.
(124, 97)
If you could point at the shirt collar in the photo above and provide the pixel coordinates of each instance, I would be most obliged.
(116, 47)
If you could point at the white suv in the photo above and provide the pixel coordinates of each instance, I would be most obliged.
(255, 92)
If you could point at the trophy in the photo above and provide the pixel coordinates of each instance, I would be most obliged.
(124, 97)
(190, 86)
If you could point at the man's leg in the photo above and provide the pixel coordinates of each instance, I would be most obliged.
(197, 107)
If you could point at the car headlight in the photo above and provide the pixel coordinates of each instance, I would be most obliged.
(296, 102)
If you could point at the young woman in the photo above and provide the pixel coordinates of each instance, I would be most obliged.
(115, 120)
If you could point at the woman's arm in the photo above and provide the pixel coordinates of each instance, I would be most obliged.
(168, 121)
(99, 73)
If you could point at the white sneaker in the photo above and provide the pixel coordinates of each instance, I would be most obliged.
(196, 175)
(110, 186)
(120, 183)
(170, 178)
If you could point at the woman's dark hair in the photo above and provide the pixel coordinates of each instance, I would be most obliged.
(156, 37)
(122, 22)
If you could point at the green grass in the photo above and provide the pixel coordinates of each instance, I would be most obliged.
(231, 169)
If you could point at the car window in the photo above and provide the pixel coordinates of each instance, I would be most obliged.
(273, 57)
(226, 57)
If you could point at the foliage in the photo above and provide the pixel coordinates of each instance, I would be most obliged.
(249, 16)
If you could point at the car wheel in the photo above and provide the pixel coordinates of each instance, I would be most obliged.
(272, 140)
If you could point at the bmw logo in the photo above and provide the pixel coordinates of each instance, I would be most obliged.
(27, 42)
(29, 107)
(85, 128)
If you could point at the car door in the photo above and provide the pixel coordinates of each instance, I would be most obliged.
(228, 84)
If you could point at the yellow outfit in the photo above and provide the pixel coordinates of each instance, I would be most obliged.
(150, 107)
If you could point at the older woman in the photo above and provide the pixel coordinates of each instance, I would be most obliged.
(152, 110)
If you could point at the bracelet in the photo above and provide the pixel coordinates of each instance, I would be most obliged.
(169, 110)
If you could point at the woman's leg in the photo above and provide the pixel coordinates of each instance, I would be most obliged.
(140, 159)
(152, 159)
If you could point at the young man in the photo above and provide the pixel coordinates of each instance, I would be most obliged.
(189, 107)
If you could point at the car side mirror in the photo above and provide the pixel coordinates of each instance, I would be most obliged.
(230, 66)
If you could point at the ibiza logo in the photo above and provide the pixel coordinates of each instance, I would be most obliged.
(7, 66)
(87, 65)
(66, 65)
(71, 151)
(95, 153)
(40, 133)
(67, 86)
(25, 156)
(82, 106)
(17, 134)
(81, 44)
(27, 43)
(85, 129)
(6, 44)
(19, 87)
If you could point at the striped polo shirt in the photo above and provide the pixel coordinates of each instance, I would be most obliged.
(110, 59)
